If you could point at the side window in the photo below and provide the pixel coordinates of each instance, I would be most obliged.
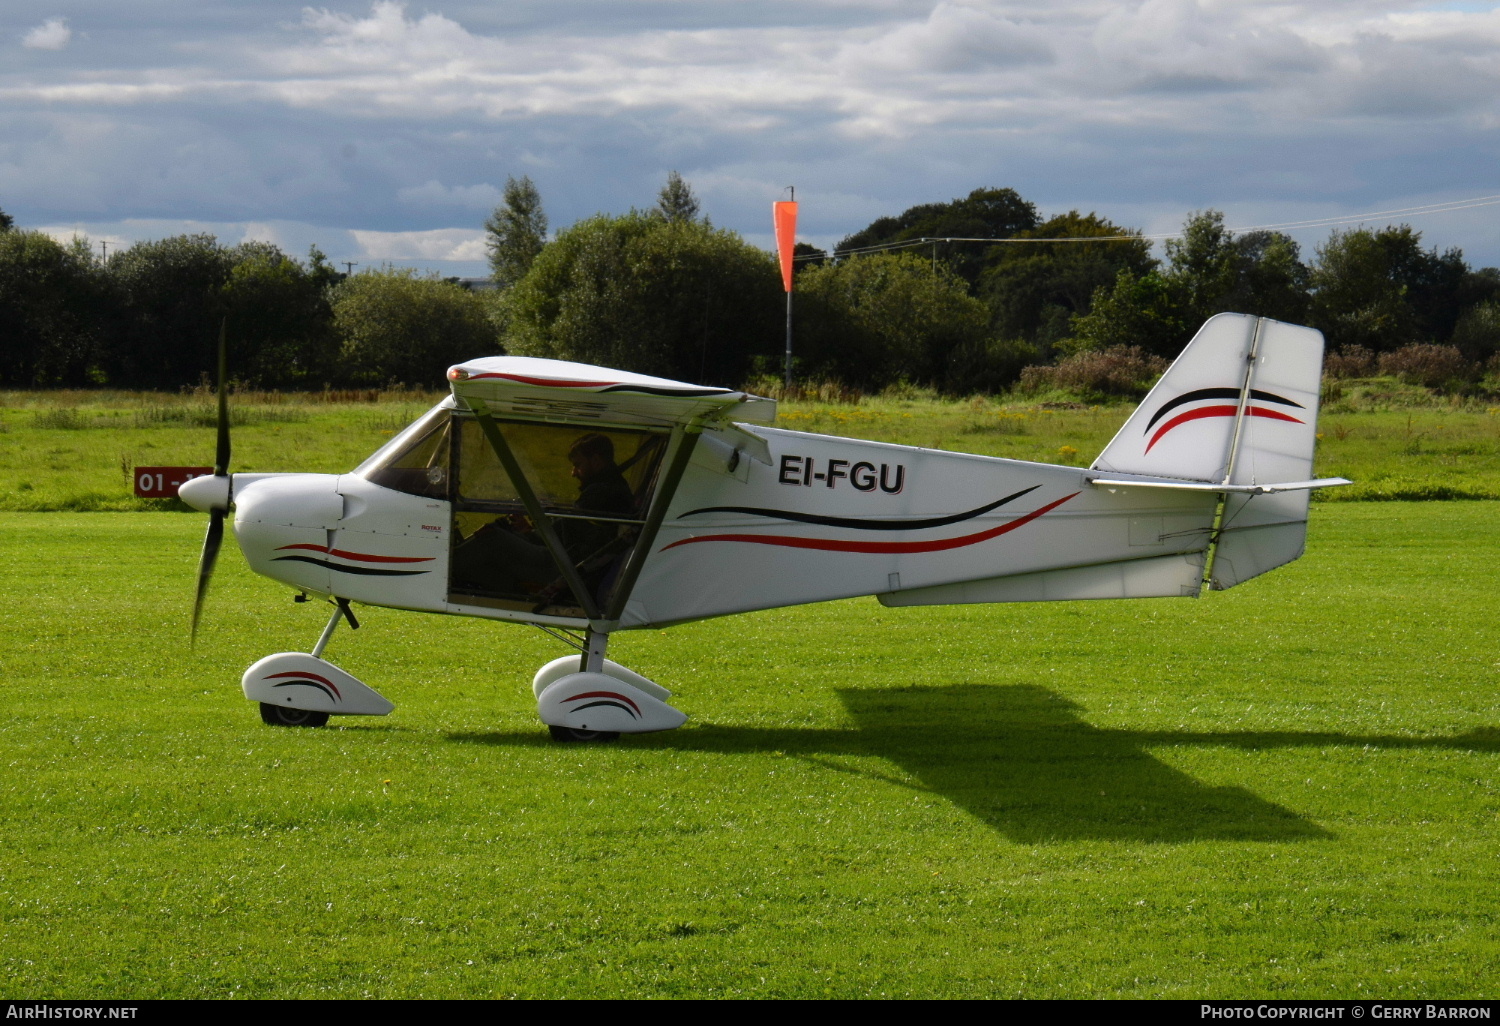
(594, 487)
(571, 469)
(421, 466)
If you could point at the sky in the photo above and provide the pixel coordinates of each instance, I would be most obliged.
(384, 132)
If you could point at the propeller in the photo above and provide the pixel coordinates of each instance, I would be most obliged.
(219, 507)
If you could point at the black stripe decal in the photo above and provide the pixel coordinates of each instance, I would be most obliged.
(1216, 393)
(363, 571)
(862, 525)
(591, 705)
(307, 683)
(687, 393)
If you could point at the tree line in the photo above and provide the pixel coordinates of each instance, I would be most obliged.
(664, 291)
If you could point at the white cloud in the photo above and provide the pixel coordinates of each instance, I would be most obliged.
(437, 244)
(52, 34)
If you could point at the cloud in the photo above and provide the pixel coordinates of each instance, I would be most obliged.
(393, 120)
(52, 34)
(954, 38)
(437, 244)
(433, 193)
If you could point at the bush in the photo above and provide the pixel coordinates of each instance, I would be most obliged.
(680, 299)
(1349, 362)
(1429, 365)
(820, 390)
(1116, 371)
(988, 366)
(877, 320)
(396, 324)
(1477, 334)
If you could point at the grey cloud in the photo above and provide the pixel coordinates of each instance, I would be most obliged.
(398, 121)
(953, 38)
(52, 34)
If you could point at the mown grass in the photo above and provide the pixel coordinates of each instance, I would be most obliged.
(74, 451)
(1287, 790)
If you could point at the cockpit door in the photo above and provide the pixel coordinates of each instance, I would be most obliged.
(546, 489)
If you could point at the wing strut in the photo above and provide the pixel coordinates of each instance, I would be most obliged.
(687, 438)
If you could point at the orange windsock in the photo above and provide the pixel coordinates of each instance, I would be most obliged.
(784, 214)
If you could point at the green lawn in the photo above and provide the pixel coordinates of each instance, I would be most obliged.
(1287, 790)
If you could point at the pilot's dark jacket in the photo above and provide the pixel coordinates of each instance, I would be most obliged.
(497, 560)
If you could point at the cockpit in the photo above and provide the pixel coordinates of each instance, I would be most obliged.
(568, 488)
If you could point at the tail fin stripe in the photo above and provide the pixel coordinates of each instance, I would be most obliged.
(1217, 411)
(1215, 393)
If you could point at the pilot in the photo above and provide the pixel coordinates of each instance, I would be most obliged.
(601, 489)
(507, 555)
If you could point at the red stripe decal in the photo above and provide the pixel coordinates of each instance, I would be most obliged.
(1215, 411)
(604, 694)
(544, 382)
(359, 557)
(833, 545)
(309, 676)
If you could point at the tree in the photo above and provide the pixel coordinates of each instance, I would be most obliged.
(1381, 290)
(1208, 271)
(983, 214)
(6, 222)
(681, 299)
(53, 302)
(1144, 310)
(876, 320)
(395, 324)
(278, 321)
(1035, 289)
(1216, 272)
(517, 231)
(172, 302)
(676, 201)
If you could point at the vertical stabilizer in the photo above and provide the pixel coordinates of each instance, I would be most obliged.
(1238, 407)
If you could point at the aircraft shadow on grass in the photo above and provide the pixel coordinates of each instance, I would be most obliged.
(1022, 760)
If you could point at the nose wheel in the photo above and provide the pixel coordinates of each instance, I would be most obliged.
(575, 734)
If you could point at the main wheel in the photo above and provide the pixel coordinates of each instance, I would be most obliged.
(281, 716)
(573, 734)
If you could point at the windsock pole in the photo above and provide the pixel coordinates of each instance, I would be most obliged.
(784, 216)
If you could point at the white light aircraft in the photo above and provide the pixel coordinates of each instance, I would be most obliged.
(587, 501)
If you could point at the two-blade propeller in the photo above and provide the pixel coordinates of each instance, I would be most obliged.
(219, 509)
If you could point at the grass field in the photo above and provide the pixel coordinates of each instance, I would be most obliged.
(1291, 789)
(74, 451)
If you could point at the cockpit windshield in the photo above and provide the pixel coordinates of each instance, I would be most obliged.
(416, 460)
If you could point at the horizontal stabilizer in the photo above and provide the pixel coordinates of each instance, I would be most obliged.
(1203, 486)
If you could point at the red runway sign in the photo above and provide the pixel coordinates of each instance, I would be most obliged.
(163, 482)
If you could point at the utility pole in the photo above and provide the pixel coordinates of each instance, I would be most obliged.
(349, 266)
(104, 251)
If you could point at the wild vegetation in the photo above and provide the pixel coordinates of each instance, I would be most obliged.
(75, 450)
